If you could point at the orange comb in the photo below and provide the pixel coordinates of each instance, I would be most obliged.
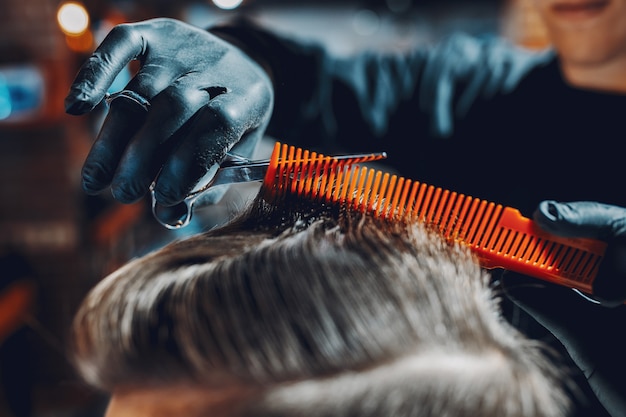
(500, 236)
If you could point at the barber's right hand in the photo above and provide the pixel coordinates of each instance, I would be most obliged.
(205, 97)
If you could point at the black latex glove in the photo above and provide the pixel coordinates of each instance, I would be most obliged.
(591, 332)
(206, 96)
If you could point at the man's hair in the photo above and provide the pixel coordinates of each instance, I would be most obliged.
(319, 314)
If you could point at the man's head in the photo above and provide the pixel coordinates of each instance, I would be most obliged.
(324, 314)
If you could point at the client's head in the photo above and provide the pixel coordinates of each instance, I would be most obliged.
(315, 312)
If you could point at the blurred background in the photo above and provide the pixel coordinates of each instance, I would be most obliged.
(56, 242)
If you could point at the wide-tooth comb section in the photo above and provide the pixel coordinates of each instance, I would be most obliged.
(500, 236)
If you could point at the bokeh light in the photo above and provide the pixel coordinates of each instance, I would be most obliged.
(73, 18)
(227, 4)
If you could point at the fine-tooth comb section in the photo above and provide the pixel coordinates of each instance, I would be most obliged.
(500, 236)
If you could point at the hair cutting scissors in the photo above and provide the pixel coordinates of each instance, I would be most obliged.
(233, 170)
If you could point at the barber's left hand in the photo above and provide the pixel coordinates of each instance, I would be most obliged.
(597, 221)
(591, 332)
(205, 97)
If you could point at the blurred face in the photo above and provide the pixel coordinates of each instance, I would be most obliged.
(586, 32)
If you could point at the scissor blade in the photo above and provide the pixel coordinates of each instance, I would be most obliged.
(249, 172)
(236, 172)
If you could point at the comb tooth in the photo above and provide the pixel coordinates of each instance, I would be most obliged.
(447, 214)
(573, 262)
(517, 245)
(587, 265)
(425, 202)
(297, 166)
(290, 165)
(522, 242)
(329, 176)
(374, 193)
(442, 199)
(537, 244)
(318, 176)
(339, 182)
(306, 163)
(475, 221)
(545, 253)
(592, 270)
(336, 188)
(367, 190)
(454, 220)
(579, 263)
(418, 201)
(349, 192)
(369, 185)
(456, 230)
(282, 171)
(283, 168)
(512, 244)
(387, 200)
(326, 191)
(567, 262)
(398, 183)
(360, 190)
(558, 257)
(270, 175)
(408, 213)
(380, 194)
(431, 204)
(344, 184)
(507, 242)
(322, 175)
(466, 222)
(536, 252)
(489, 231)
(483, 222)
(503, 244)
(493, 231)
(310, 177)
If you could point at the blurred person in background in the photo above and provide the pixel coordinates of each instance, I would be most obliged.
(531, 130)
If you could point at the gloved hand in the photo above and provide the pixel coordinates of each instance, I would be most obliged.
(590, 332)
(205, 96)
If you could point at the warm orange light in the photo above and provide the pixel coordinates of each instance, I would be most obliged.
(82, 43)
(73, 18)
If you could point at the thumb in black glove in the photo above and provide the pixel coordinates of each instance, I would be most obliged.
(597, 221)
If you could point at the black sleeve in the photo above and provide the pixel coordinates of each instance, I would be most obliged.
(371, 99)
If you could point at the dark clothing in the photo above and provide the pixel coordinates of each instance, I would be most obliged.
(476, 116)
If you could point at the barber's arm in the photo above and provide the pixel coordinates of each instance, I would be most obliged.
(592, 332)
(209, 91)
